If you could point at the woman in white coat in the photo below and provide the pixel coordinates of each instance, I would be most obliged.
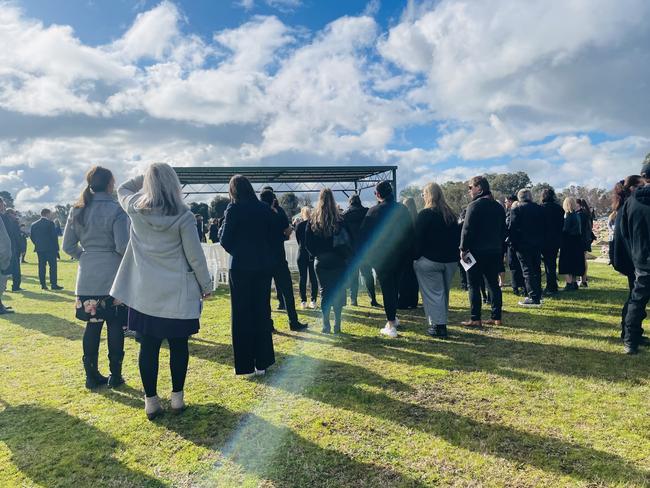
(162, 279)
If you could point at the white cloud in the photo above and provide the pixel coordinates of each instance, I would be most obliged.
(30, 197)
(151, 35)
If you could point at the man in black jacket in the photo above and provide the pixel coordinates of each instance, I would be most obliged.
(483, 234)
(553, 225)
(633, 230)
(387, 237)
(527, 235)
(353, 217)
(46, 243)
(281, 273)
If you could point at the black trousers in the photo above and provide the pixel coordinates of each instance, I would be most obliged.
(306, 270)
(16, 275)
(179, 357)
(549, 256)
(92, 336)
(284, 285)
(517, 274)
(389, 279)
(250, 305)
(45, 259)
(463, 276)
(531, 267)
(487, 267)
(368, 279)
(635, 311)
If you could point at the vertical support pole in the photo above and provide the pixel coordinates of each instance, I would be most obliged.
(356, 187)
(394, 171)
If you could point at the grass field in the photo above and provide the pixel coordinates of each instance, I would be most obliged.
(548, 399)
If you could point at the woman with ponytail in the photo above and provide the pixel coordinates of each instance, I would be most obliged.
(96, 234)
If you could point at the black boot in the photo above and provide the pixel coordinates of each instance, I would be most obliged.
(93, 377)
(115, 379)
(441, 330)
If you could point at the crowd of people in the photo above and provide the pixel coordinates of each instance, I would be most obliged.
(141, 264)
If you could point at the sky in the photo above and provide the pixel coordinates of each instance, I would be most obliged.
(444, 89)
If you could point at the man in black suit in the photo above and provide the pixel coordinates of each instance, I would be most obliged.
(46, 244)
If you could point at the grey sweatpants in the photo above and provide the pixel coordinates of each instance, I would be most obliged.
(435, 282)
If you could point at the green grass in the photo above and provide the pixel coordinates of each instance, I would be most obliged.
(546, 400)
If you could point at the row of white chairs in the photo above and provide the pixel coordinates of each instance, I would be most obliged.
(218, 261)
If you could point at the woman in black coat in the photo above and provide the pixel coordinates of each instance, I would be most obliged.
(305, 263)
(408, 287)
(246, 234)
(588, 237)
(328, 240)
(572, 252)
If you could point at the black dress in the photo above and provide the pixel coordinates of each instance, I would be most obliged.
(161, 328)
(572, 252)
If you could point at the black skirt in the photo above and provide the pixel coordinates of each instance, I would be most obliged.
(572, 256)
(160, 327)
(100, 309)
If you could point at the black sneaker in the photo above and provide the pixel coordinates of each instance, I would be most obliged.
(297, 327)
(18, 289)
(44, 287)
(375, 303)
(57, 287)
(4, 310)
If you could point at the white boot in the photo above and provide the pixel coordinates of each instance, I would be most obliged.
(178, 403)
(152, 407)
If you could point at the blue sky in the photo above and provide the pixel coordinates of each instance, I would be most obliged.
(444, 89)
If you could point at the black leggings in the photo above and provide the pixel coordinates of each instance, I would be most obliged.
(92, 336)
(179, 357)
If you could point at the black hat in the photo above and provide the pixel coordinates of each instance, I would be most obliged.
(645, 169)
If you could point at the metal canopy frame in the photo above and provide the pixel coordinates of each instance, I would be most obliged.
(284, 179)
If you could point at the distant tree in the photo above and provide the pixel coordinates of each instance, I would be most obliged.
(218, 206)
(201, 209)
(505, 184)
(414, 192)
(538, 189)
(456, 194)
(61, 212)
(6, 196)
(290, 203)
(597, 198)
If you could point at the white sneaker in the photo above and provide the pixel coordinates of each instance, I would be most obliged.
(303, 305)
(397, 323)
(260, 372)
(389, 330)
(312, 304)
(178, 402)
(152, 407)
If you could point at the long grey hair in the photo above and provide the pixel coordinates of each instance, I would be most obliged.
(161, 190)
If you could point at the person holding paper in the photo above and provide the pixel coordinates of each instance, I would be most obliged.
(482, 236)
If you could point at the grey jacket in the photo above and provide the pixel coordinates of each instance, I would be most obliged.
(5, 247)
(98, 243)
(164, 271)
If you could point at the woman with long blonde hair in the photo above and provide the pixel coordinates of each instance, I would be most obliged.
(305, 262)
(162, 279)
(328, 240)
(437, 237)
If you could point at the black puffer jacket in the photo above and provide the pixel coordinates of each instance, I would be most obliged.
(553, 224)
(634, 228)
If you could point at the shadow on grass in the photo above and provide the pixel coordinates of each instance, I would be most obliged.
(53, 448)
(276, 453)
(338, 385)
(47, 324)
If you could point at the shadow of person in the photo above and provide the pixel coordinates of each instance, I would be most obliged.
(341, 386)
(53, 448)
(275, 452)
(48, 324)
